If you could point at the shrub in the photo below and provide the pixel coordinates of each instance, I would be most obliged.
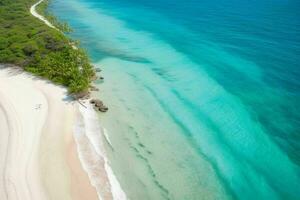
(30, 48)
(41, 50)
(3, 43)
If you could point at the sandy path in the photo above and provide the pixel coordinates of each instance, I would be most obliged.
(38, 158)
(40, 17)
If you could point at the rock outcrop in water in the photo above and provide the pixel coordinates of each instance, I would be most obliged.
(98, 105)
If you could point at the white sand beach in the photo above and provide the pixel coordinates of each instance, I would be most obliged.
(50, 149)
(38, 156)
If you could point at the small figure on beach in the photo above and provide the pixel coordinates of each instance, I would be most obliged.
(38, 106)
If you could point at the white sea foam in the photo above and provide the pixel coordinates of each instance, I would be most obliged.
(89, 137)
(117, 192)
(107, 137)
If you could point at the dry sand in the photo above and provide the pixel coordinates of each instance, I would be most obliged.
(38, 157)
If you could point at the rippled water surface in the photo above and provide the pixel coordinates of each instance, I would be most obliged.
(203, 95)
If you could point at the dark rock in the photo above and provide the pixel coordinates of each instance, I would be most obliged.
(96, 102)
(98, 105)
(102, 109)
(92, 101)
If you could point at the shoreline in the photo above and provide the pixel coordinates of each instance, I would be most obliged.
(174, 115)
(64, 155)
(90, 138)
(87, 131)
(61, 166)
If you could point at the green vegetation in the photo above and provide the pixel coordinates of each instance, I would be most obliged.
(29, 43)
(42, 9)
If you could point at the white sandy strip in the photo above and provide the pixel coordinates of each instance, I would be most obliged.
(40, 17)
(43, 19)
(27, 128)
(91, 154)
(89, 136)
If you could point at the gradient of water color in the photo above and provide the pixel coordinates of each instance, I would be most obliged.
(203, 95)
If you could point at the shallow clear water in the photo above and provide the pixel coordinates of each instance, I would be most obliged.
(203, 95)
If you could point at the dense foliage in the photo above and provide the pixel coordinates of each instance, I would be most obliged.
(29, 43)
(42, 9)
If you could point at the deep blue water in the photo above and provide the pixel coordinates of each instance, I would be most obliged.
(225, 76)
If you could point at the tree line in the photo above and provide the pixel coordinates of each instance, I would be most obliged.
(29, 43)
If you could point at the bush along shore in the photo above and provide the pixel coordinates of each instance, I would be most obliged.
(29, 43)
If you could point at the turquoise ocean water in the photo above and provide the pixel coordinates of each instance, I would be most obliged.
(204, 95)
